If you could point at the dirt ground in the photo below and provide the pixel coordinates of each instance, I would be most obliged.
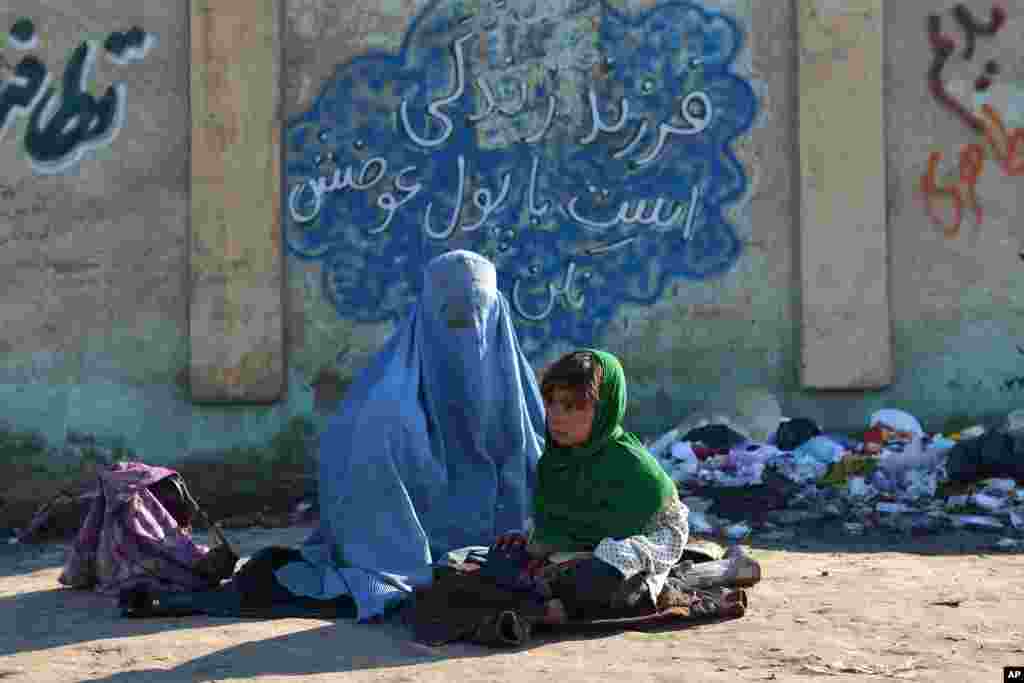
(831, 609)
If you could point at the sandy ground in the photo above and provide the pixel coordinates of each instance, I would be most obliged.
(870, 609)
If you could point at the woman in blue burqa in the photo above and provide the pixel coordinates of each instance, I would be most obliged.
(434, 448)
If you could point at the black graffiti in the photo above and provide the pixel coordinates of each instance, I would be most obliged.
(943, 48)
(121, 44)
(23, 30)
(65, 122)
(974, 28)
(1013, 382)
(80, 118)
(21, 91)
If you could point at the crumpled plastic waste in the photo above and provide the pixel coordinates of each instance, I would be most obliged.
(972, 432)
(841, 472)
(811, 461)
(683, 462)
(748, 461)
(738, 531)
(898, 458)
(795, 433)
(919, 484)
(896, 420)
(717, 436)
(665, 442)
(955, 502)
(987, 502)
(893, 508)
(858, 487)
(894, 484)
(994, 454)
(1015, 421)
(976, 521)
(699, 523)
(756, 413)
(996, 487)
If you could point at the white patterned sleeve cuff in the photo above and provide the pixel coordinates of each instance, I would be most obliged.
(655, 551)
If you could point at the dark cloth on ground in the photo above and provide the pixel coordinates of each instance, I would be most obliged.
(717, 436)
(592, 589)
(994, 455)
(253, 592)
(795, 433)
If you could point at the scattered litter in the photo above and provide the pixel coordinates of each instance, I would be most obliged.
(896, 420)
(795, 433)
(972, 432)
(987, 502)
(893, 508)
(696, 504)
(716, 436)
(954, 502)
(737, 531)
(684, 461)
(977, 521)
(699, 523)
(919, 484)
(658, 448)
(1003, 486)
(894, 475)
(858, 487)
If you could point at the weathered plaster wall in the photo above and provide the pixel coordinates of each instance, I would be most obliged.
(94, 261)
(93, 233)
(956, 297)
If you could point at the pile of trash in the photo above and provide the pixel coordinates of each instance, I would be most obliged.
(895, 475)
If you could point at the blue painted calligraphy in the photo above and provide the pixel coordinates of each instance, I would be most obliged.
(63, 127)
(588, 152)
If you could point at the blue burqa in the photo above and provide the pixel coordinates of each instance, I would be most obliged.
(434, 448)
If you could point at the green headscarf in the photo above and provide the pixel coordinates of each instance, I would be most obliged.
(608, 487)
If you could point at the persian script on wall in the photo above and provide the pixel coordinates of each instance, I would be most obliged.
(589, 152)
(65, 117)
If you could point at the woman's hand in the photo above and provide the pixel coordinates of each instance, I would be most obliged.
(516, 541)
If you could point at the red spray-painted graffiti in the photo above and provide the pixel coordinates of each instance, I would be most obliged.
(999, 143)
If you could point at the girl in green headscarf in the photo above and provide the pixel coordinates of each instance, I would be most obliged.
(600, 492)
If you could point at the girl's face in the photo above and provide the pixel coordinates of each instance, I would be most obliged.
(569, 422)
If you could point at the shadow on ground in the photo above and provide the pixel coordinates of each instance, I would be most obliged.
(831, 538)
(49, 619)
(55, 618)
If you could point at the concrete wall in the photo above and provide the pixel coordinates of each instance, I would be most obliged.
(93, 229)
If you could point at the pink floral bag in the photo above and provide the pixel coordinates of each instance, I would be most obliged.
(130, 540)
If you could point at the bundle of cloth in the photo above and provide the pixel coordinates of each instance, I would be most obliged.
(134, 538)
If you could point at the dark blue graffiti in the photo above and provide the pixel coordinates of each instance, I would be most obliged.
(64, 126)
(128, 46)
(585, 150)
(23, 34)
